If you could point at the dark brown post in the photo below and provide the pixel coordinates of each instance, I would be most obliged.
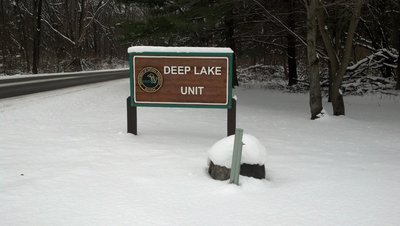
(232, 118)
(132, 117)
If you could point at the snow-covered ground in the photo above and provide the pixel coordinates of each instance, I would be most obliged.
(66, 159)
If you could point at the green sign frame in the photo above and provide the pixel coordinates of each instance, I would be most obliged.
(230, 57)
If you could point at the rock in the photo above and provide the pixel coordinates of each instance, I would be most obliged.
(222, 173)
(219, 172)
(250, 170)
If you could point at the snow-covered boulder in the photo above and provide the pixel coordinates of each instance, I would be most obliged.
(252, 162)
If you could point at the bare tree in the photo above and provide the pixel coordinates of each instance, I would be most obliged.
(24, 23)
(398, 60)
(71, 22)
(312, 59)
(230, 39)
(339, 48)
(291, 43)
(37, 15)
(2, 36)
(398, 49)
(284, 17)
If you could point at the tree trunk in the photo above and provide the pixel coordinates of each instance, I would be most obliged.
(337, 100)
(36, 38)
(25, 39)
(291, 46)
(313, 62)
(230, 41)
(398, 73)
(398, 57)
(292, 64)
(2, 36)
(384, 20)
(338, 62)
(330, 84)
(95, 44)
(77, 12)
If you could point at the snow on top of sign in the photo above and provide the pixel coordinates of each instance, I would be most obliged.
(141, 49)
(253, 151)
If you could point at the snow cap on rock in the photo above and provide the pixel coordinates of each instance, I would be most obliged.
(253, 152)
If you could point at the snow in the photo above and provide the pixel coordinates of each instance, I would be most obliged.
(66, 159)
(162, 49)
(387, 57)
(253, 151)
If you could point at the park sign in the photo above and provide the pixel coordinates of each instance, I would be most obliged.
(180, 76)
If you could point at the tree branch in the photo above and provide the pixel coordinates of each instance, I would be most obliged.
(281, 23)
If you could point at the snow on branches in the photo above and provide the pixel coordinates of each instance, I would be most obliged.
(381, 58)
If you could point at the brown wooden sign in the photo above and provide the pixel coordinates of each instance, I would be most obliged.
(182, 80)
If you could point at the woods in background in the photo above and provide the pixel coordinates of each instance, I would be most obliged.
(334, 40)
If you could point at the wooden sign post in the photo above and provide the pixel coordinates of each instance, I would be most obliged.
(180, 77)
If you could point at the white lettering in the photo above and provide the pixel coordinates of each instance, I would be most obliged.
(203, 71)
(180, 70)
(167, 70)
(210, 70)
(183, 90)
(218, 70)
(184, 70)
(174, 70)
(187, 69)
(192, 90)
(200, 88)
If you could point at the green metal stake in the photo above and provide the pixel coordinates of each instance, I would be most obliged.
(236, 157)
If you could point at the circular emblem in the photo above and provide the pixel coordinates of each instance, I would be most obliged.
(150, 79)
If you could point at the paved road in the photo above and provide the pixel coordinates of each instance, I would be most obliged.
(20, 86)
